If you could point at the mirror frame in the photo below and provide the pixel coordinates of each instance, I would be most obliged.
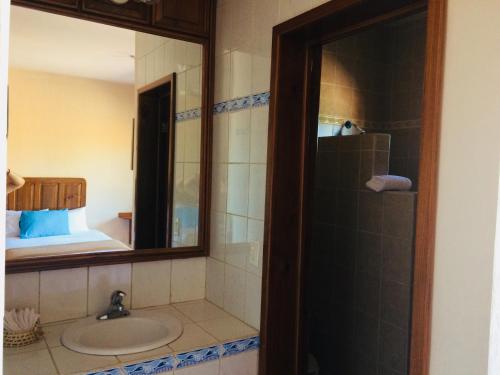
(145, 255)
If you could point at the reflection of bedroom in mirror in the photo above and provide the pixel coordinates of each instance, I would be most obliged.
(85, 100)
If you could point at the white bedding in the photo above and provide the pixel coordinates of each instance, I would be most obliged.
(86, 236)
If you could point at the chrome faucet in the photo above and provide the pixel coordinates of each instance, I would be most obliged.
(116, 308)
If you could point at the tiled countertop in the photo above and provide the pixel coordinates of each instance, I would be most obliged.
(206, 327)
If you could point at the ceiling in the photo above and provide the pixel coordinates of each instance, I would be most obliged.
(57, 44)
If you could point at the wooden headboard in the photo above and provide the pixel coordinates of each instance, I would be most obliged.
(39, 193)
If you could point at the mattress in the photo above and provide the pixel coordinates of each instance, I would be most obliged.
(91, 241)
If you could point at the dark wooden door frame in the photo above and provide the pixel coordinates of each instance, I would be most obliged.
(292, 133)
(171, 81)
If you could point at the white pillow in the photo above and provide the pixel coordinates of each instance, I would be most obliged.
(77, 220)
(12, 223)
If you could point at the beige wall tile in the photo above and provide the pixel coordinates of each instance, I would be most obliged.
(227, 328)
(192, 129)
(215, 281)
(253, 300)
(151, 283)
(222, 77)
(70, 362)
(38, 362)
(237, 189)
(236, 240)
(218, 236)
(22, 290)
(241, 74)
(103, 281)
(193, 337)
(219, 187)
(239, 137)
(258, 134)
(63, 294)
(201, 310)
(240, 364)
(188, 279)
(234, 291)
(257, 191)
(221, 138)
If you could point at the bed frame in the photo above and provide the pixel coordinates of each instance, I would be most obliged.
(39, 193)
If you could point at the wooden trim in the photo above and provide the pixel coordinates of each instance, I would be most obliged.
(112, 21)
(428, 188)
(208, 72)
(291, 163)
(87, 260)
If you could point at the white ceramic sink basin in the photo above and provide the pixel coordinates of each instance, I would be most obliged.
(138, 332)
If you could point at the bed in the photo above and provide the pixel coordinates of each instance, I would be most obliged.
(39, 193)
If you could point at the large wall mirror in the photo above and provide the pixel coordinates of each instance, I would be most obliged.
(108, 142)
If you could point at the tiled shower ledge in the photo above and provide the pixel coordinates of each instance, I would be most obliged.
(209, 334)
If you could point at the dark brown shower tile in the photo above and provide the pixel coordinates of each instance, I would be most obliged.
(323, 239)
(366, 168)
(348, 165)
(370, 211)
(346, 243)
(381, 163)
(364, 366)
(393, 350)
(343, 286)
(397, 259)
(328, 144)
(368, 141)
(398, 166)
(369, 253)
(382, 142)
(367, 297)
(399, 214)
(414, 142)
(395, 304)
(346, 208)
(324, 206)
(349, 143)
(399, 143)
(327, 170)
(387, 371)
(366, 334)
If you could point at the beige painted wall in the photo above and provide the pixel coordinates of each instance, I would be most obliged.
(64, 126)
(468, 191)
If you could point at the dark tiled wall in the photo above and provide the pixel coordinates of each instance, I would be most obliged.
(375, 78)
(361, 262)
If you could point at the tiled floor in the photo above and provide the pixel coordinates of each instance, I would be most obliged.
(204, 325)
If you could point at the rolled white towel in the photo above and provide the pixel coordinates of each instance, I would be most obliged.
(389, 182)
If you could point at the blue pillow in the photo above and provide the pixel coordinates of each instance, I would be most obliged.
(34, 224)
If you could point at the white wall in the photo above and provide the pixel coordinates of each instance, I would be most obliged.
(468, 190)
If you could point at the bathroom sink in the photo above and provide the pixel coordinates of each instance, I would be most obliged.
(138, 332)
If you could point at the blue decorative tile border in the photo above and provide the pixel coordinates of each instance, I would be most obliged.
(113, 371)
(156, 366)
(245, 102)
(238, 104)
(240, 346)
(188, 115)
(198, 356)
(182, 360)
